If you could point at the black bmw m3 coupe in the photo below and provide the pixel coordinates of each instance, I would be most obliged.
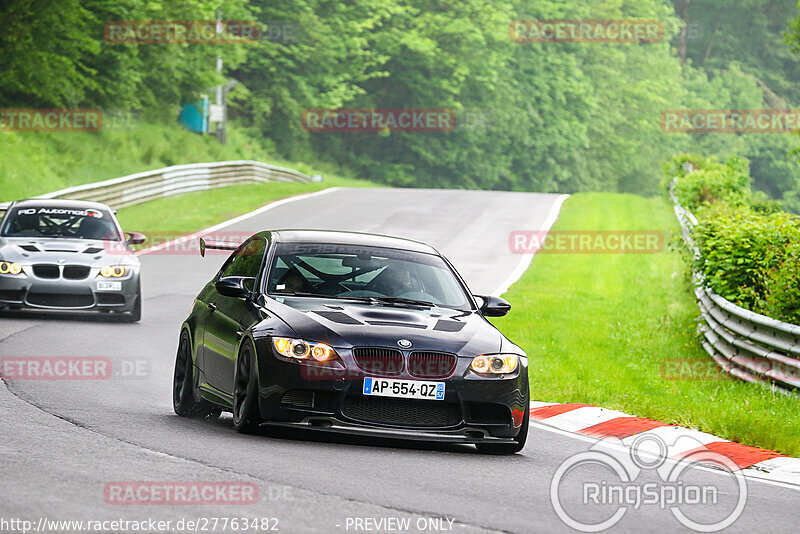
(352, 333)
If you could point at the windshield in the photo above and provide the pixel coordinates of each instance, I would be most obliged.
(347, 271)
(54, 222)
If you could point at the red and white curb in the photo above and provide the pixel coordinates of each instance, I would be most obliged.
(600, 423)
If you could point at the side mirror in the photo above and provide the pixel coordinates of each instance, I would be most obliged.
(135, 238)
(233, 286)
(494, 306)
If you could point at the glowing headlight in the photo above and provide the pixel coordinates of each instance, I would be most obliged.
(112, 271)
(498, 364)
(6, 267)
(303, 350)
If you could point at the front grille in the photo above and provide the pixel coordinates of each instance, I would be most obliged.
(110, 298)
(401, 412)
(431, 364)
(60, 300)
(43, 270)
(379, 361)
(76, 272)
(14, 295)
(487, 413)
(296, 397)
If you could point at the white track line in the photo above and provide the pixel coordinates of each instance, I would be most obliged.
(235, 220)
(526, 259)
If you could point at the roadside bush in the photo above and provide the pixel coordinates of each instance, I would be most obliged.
(749, 247)
(740, 252)
(783, 297)
(713, 183)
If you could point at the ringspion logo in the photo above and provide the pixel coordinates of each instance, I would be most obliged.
(586, 31)
(730, 120)
(50, 120)
(181, 32)
(378, 120)
(628, 486)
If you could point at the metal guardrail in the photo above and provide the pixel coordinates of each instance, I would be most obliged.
(178, 179)
(748, 345)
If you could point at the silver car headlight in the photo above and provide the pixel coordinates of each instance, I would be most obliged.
(113, 271)
(7, 267)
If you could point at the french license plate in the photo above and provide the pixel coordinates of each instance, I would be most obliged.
(109, 286)
(407, 389)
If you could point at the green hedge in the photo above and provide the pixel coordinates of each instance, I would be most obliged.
(749, 248)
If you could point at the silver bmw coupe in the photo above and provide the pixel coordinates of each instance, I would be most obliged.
(69, 256)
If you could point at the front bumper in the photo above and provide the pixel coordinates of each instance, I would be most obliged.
(476, 409)
(62, 294)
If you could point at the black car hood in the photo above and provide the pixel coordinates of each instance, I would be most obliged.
(341, 323)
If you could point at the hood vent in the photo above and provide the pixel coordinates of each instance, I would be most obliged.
(92, 250)
(400, 325)
(338, 317)
(448, 326)
(30, 248)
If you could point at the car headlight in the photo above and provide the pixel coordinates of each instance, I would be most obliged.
(7, 267)
(112, 271)
(300, 349)
(498, 364)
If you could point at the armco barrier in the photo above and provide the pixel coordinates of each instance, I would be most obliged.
(151, 185)
(748, 345)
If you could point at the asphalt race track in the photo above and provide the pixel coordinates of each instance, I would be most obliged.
(62, 442)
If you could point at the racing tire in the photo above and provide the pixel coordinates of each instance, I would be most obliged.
(246, 413)
(184, 386)
(508, 448)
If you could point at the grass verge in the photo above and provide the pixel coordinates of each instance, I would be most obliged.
(616, 330)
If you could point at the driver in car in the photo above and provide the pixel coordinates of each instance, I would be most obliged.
(26, 226)
(291, 282)
(393, 282)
